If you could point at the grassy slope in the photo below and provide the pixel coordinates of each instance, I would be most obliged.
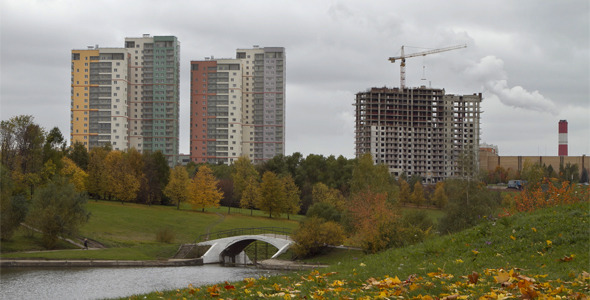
(129, 230)
(550, 246)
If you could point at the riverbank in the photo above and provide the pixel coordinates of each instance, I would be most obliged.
(35, 263)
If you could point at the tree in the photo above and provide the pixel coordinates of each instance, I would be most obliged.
(324, 210)
(57, 209)
(323, 193)
(272, 195)
(13, 208)
(570, 172)
(440, 198)
(75, 174)
(374, 221)
(369, 177)
(177, 188)
(292, 200)
(418, 194)
(155, 177)
(203, 190)
(250, 195)
(468, 205)
(314, 235)
(404, 192)
(243, 172)
(79, 155)
(55, 146)
(22, 144)
(123, 183)
(584, 177)
(97, 183)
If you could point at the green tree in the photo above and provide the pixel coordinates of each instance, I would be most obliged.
(57, 209)
(155, 177)
(13, 208)
(570, 172)
(55, 147)
(79, 154)
(203, 190)
(369, 177)
(177, 188)
(323, 193)
(418, 194)
(292, 200)
(584, 177)
(272, 195)
(324, 210)
(22, 144)
(314, 235)
(468, 204)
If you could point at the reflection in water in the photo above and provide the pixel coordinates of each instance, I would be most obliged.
(99, 283)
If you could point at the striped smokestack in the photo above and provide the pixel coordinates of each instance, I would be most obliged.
(562, 151)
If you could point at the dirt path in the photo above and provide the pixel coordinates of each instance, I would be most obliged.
(78, 242)
(208, 230)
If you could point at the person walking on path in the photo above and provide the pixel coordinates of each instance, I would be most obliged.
(86, 243)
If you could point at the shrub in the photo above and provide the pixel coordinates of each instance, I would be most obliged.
(165, 235)
(469, 203)
(325, 211)
(314, 234)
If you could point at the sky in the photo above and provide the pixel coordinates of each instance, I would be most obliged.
(529, 59)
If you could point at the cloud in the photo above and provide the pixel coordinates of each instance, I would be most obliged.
(490, 71)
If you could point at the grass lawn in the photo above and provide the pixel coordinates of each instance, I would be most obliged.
(543, 254)
(129, 231)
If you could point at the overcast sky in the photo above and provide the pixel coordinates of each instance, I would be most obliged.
(530, 59)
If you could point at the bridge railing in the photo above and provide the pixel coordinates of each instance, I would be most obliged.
(273, 231)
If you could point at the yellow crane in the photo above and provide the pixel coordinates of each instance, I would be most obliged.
(403, 56)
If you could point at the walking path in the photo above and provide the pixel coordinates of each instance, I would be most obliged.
(12, 263)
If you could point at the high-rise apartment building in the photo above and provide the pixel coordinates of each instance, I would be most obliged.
(216, 110)
(128, 97)
(417, 131)
(238, 106)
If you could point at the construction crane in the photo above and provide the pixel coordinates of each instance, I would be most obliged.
(403, 56)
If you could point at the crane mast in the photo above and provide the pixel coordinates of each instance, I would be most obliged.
(403, 56)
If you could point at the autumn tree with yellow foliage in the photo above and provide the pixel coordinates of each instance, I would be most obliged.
(203, 190)
(75, 174)
(122, 182)
(177, 188)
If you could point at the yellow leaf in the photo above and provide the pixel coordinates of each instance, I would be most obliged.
(475, 252)
(459, 261)
(502, 277)
(549, 243)
(512, 237)
(534, 229)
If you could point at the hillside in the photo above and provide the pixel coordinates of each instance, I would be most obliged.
(540, 254)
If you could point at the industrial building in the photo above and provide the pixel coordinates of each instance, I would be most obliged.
(127, 97)
(238, 106)
(417, 131)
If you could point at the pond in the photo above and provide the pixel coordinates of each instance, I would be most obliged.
(100, 283)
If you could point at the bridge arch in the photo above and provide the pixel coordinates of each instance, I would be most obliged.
(229, 249)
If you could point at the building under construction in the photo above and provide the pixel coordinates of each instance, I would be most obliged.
(417, 131)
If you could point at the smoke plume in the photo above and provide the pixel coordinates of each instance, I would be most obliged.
(490, 71)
